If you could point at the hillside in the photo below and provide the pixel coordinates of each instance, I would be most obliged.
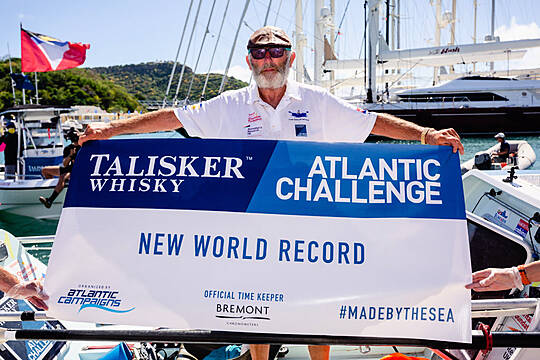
(148, 81)
(67, 88)
(115, 88)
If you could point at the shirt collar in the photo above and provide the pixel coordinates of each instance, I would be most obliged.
(292, 91)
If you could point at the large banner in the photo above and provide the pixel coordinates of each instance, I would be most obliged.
(265, 236)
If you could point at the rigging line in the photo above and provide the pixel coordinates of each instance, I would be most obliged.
(277, 12)
(405, 73)
(256, 14)
(200, 51)
(249, 27)
(342, 18)
(215, 48)
(267, 13)
(176, 58)
(290, 21)
(224, 79)
(187, 52)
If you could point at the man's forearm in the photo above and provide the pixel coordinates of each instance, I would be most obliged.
(396, 128)
(161, 120)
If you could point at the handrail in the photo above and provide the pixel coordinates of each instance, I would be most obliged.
(479, 340)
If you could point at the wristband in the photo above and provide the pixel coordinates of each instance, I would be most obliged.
(423, 135)
(524, 279)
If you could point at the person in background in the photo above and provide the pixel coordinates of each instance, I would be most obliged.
(504, 279)
(29, 290)
(279, 109)
(11, 141)
(64, 171)
(504, 149)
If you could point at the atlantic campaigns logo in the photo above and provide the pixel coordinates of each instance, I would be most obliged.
(102, 299)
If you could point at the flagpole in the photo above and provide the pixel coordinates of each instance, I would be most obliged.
(37, 94)
(23, 93)
(11, 72)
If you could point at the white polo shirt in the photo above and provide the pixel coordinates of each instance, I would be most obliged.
(304, 113)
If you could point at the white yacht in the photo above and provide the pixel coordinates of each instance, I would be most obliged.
(472, 105)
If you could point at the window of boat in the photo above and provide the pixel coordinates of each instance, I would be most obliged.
(39, 136)
(461, 97)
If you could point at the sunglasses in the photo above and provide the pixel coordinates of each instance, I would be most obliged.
(275, 52)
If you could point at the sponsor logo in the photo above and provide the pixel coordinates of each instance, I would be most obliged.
(501, 216)
(243, 311)
(301, 130)
(522, 228)
(252, 117)
(253, 130)
(166, 173)
(299, 115)
(99, 297)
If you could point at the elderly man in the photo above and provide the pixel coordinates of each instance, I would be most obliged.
(276, 108)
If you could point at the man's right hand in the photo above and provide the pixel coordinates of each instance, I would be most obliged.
(31, 291)
(96, 131)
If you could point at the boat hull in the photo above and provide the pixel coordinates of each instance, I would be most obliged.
(22, 198)
(468, 120)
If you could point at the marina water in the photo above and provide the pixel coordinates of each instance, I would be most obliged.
(26, 226)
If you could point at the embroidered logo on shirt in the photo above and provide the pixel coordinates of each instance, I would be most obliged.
(301, 129)
(252, 117)
(299, 114)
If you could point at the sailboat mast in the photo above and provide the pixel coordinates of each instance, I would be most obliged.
(492, 64)
(438, 21)
(332, 42)
(12, 82)
(373, 28)
(267, 12)
(474, 35)
(176, 58)
(318, 43)
(300, 42)
(37, 93)
(224, 80)
(398, 35)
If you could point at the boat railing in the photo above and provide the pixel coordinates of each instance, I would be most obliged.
(480, 308)
(96, 117)
(448, 99)
(484, 339)
(437, 99)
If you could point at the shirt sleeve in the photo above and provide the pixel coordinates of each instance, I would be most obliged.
(345, 122)
(202, 119)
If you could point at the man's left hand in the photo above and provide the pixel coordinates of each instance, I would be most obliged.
(445, 137)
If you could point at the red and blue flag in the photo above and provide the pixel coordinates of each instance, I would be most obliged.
(44, 53)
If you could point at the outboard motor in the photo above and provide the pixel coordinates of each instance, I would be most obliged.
(482, 161)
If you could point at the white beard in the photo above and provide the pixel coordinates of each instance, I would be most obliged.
(274, 81)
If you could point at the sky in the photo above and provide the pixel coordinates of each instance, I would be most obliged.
(135, 31)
